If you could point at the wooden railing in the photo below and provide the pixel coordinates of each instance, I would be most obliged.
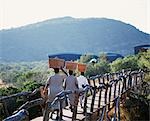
(112, 86)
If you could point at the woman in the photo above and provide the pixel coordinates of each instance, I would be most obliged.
(54, 85)
(71, 83)
(82, 82)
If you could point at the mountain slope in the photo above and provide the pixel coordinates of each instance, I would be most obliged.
(69, 35)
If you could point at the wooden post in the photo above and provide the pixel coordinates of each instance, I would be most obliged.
(46, 113)
(5, 109)
(103, 79)
(109, 97)
(124, 87)
(118, 103)
(103, 114)
(93, 100)
(99, 101)
(130, 81)
(99, 80)
(85, 104)
(119, 87)
(94, 82)
(136, 79)
(115, 114)
(115, 89)
(89, 81)
(106, 94)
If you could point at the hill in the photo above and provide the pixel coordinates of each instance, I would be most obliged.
(69, 35)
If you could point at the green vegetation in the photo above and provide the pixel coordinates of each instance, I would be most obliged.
(25, 76)
(134, 62)
(101, 67)
(85, 58)
(125, 63)
(30, 85)
(32, 73)
(8, 91)
(17, 73)
(28, 76)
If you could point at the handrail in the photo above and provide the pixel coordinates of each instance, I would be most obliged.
(19, 116)
(122, 82)
(14, 95)
(103, 114)
(57, 100)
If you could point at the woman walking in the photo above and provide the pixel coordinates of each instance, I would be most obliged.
(54, 85)
(71, 83)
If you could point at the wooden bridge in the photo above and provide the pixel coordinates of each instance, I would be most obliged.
(104, 93)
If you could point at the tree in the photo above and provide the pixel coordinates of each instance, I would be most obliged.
(101, 67)
(144, 60)
(30, 85)
(85, 58)
(125, 63)
(8, 91)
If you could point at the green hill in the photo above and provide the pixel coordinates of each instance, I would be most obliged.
(69, 35)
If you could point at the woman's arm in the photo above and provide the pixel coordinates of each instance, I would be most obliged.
(64, 71)
(46, 86)
(76, 83)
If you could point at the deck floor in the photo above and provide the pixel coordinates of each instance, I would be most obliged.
(67, 114)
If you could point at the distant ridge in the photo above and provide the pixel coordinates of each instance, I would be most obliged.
(69, 35)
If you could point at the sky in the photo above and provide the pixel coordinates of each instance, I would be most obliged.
(15, 13)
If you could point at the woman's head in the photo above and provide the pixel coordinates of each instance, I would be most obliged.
(56, 70)
(70, 72)
(82, 73)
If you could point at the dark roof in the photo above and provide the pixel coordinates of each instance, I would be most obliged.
(66, 57)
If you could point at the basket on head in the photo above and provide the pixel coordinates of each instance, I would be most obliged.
(71, 65)
(56, 63)
(81, 67)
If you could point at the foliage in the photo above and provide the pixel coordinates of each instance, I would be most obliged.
(30, 85)
(29, 76)
(98, 68)
(8, 91)
(85, 58)
(20, 74)
(147, 77)
(17, 73)
(144, 60)
(103, 57)
(125, 63)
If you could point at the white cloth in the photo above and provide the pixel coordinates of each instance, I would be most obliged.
(82, 81)
(72, 84)
(55, 86)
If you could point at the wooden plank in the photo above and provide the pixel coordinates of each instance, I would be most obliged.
(67, 114)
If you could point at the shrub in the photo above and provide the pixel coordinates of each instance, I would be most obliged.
(8, 91)
(101, 67)
(30, 85)
(85, 58)
(125, 63)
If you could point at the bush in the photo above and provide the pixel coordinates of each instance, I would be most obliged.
(30, 85)
(125, 63)
(101, 67)
(85, 58)
(8, 91)
(144, 60)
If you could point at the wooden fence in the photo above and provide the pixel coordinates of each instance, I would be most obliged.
(107, 92)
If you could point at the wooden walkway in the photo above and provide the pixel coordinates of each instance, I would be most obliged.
(67, 114)
(107, 90)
